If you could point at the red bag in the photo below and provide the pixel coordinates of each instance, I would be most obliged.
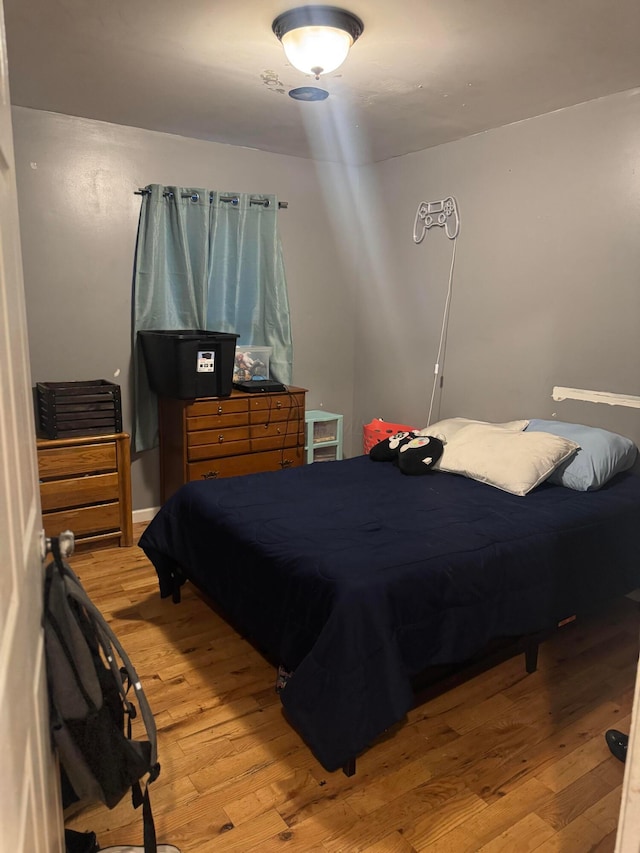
(378, 430)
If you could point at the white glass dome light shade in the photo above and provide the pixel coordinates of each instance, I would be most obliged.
(317, 39)
(316, 50)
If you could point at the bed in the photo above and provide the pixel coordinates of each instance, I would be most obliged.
(353, 578)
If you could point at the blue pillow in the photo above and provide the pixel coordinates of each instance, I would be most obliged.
(602, 455)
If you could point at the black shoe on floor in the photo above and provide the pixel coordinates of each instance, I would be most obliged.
(617, 743)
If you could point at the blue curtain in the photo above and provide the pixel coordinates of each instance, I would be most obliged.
(207, 260)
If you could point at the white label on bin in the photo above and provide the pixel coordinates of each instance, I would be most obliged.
(206, 362)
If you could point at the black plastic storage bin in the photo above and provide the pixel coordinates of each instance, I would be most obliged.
(189, 363)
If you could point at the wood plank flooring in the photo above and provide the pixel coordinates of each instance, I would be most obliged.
(505, 762)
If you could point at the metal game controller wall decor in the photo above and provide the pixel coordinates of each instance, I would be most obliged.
(443, 214)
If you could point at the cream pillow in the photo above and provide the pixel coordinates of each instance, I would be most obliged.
(449, 428)
(510, 460)
(446, 429)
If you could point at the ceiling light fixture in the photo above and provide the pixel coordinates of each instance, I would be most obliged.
(317, 39)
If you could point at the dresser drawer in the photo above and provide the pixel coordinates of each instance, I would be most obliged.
(277, 428)
(83, 521)
(83, 459)
(275, 402)
(78, 491)
(217, 406)
(275, 442)
(264, 416)
(217, 436)
(219, 449)
(233, 466)
(213, 421)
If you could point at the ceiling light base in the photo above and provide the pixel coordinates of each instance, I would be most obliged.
(308, 93)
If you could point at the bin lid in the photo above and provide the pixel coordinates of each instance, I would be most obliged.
(188, 334)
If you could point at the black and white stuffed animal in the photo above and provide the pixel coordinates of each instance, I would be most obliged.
(387, 450)
(419, 454)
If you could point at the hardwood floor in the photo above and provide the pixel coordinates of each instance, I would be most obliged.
(504, 762)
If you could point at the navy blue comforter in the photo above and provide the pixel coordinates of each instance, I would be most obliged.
(356, 577)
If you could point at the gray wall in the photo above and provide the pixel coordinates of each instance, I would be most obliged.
(546, 286)
(79, 216)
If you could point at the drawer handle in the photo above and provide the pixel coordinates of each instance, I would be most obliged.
(286, 463)
(220, 410)
(279, 431)
(220, 438)
(211, 475)
(278, 404)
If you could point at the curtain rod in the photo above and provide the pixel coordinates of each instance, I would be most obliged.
(233, 199)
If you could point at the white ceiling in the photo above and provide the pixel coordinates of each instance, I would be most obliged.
(424, 72)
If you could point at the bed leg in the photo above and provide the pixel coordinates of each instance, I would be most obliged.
(175, 590)
(350, 767)
(531, 656)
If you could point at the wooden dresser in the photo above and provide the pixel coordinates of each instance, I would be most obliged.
(85, 487)
(226, 436)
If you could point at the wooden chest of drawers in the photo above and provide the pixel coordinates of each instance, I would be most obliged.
(85, 487)
(227, 436)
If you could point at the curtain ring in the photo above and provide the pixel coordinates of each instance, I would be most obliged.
(195, 197)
